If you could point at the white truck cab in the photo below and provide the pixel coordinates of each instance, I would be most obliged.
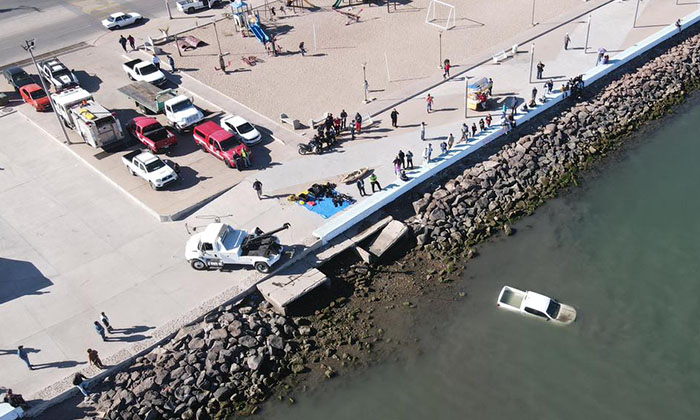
(220, 244)
(535, 304)
(182, 113)
(150, 167)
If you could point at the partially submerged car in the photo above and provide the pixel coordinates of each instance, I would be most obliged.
(535, 304)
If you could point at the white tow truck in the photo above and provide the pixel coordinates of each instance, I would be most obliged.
(535, 304)
(220, 244)
(79, 111)
(150, 167)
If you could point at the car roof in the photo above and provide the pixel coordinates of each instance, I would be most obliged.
(147, 157)
(235, 120)
(14, 70)
(221, 135)
(117, 14)
(212, 231)
(208, 127)
(32, 87)
(537, 301)
(142, 120)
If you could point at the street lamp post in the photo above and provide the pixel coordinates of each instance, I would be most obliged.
(636, 10)
(440, 42)
(533, 13)
(532, 59)
(167, 7)
(29, 47)
(588, 31)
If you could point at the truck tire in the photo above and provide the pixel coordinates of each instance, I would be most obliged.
(228, 164)
(190, 10)
(204, 149)
(131, 171)
(198, 265)
(262, 267)
(153, 186)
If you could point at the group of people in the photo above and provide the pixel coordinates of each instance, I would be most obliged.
(401, 162)
(155, 60)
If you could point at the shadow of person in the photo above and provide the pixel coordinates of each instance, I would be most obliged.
(13, 352)
(129, 338)
(59, 365)
(132, 330)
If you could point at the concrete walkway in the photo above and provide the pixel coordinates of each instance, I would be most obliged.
(86, 249)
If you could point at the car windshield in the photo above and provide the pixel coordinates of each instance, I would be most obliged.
(22, 76)
(246, 127)
(182, 105)
(154, 166)
(553, 309)
(111, 18)
(228, 144)
(38, 94)
(148, 69)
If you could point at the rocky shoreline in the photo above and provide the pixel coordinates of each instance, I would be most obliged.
(241, 354)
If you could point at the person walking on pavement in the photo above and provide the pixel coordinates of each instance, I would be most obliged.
(361, 187)
(100, 330)
(257, 186)
(94, 359)
(156, 61)
(422, 131)
(540, 69)
(395, 118)
(22, 354)
(79, 382)
(343, 119)
(132, 42)
(374, 182)
(105, 321)
(488, 120)
(429, 103)
(409, 160)
(450, 141)
(473, 129)
(567, 39)
(302, 50)
(122, 42)
(171, 62)
(352, 129)
(402, 157)
(446, 70)
(465, 132)
(481, 124)
(358, 122)
(490, 86)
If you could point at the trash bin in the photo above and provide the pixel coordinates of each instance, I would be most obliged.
(4, 99)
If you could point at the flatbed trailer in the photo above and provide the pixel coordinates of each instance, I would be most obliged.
(148, 98)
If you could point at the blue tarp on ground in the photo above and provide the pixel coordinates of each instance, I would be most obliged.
(325, 207)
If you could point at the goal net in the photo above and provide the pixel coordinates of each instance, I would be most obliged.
(440, 14)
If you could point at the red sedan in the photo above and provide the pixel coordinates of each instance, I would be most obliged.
(35, 96)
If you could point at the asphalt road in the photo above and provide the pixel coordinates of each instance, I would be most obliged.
(59, 23)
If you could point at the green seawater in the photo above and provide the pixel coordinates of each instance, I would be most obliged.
(623, 250)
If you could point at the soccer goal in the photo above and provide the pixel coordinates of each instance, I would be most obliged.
(440, 21)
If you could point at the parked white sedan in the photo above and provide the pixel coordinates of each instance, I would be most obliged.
(240, 127)
(120, 20)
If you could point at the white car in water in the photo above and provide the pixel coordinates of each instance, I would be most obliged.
(535, 304)
(241, 128)
(120, 20)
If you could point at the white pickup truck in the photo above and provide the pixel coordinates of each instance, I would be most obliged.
(189, 6)
(535, 304)
(149, 167)
(220, 244)
(141, 70)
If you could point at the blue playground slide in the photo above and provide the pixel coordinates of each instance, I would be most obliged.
(337, 4)
(259, 33)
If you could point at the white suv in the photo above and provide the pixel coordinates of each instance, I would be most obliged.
(57, 74)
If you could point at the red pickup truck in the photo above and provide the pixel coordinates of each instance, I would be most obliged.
(220, 143)
(149, 132)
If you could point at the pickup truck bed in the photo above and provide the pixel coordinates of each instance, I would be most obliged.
(512, 297)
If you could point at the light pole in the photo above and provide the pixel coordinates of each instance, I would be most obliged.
(588, 31)
(364, 77)
(440, 41)
(533, 13)
(532, 59)
(29, 47)
(636, 10)
(167, 7)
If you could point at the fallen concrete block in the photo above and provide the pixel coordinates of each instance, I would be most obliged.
(366, 256)
(389, 236)
(281, 290)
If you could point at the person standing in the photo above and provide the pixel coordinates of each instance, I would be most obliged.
(132, 42)
(343, 119)
(402, 158)
(156, 61)
(422, 131)
(352, 129)
(450, 141)
(361, 187)
(540, 69)
(429, 103)
(94, 359)
(105, 321)
(122, 42)
(100, 330)
(465, 132)
(171, 62)
(427, 155)
(534, 94)
(22, 354)
(395, 118)
(409, 160)
(446, 70)
(567, 39)
(246, 158)
(79, 382)
(481, 124)
(397, 166)
(679, 26)
(490, 86)
(504, 110)
(358, 123)
(366, 85)
(257, 186)
(302, 50)
(473, 129)
(488, 120)
(374, 182)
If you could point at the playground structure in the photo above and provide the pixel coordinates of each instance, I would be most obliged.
(451, 16)
(244, 20)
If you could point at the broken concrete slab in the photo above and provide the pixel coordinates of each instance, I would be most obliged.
(366, 256)
(389, 236)
(281, 290)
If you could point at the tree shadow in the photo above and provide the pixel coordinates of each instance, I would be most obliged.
(20, 278)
